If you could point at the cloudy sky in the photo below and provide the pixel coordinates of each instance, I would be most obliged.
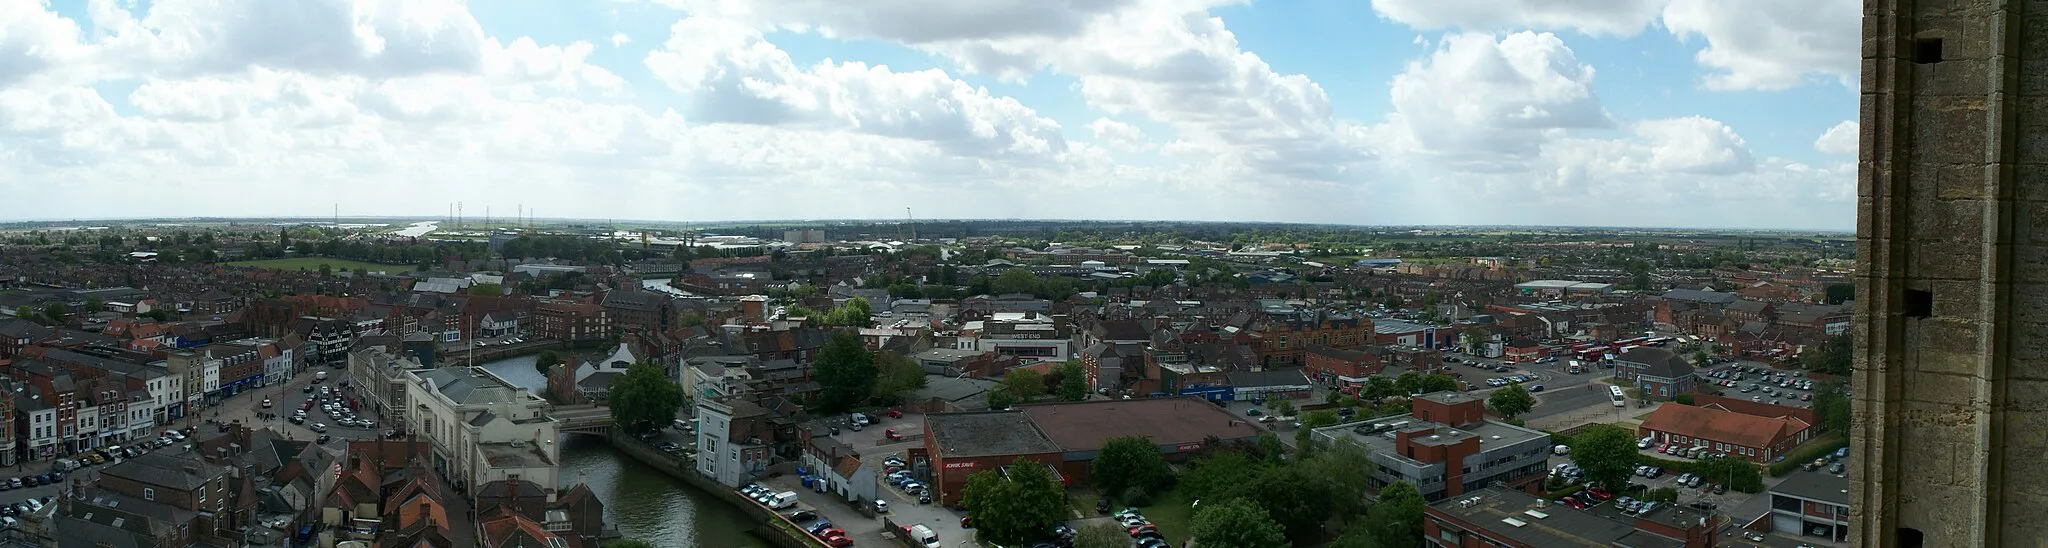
(1695, 113)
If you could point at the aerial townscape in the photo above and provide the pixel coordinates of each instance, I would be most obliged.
(1023, 274)
(546, 382)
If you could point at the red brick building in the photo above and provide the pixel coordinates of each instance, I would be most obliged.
(1759, 439)
(1326, 364)
(1065, 436)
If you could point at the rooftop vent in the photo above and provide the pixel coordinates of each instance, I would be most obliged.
(1535, 514)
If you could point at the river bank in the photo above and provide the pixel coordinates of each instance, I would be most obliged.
(640, 501)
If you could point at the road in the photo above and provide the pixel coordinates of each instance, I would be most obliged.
(247, 407)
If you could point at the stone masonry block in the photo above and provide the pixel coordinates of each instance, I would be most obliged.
(2029, 348)
(2030, 223)
(1957, 222)
(2027, 401)
(2029, 263)
(1954, 355)
(2030, 181)
(1964, 182)
(1957, 298)
(1931, 509)
(1949, 400)
(1946, 261)
(1949, 130)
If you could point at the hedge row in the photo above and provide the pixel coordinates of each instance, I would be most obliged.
(1816, 448)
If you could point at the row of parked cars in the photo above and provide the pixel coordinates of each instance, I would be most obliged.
(1143, 532)
(1498, 382)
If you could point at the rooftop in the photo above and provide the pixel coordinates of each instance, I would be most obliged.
(987, 434)
(1720, 426)
(514, 455)
(1084, 426)
(1820, 486)
(1516, 516)
(1492, 435)
(471, 386)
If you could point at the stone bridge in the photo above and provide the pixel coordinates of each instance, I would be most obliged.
(595, 420)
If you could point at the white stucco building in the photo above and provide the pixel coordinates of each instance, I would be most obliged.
(482, 428)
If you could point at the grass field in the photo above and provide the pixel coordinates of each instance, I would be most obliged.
(313, 263)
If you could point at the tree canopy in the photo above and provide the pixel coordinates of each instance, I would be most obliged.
(1025, 384)
(846, 373)
(1129, 463)
(1236, 523)
(1073, 381)
(1015, 507)
(899, 375)
(1833, 356)
(1511, 401)
(643, 398)
(1831, 404)
(548, 359)
(1438, 383)
(1102, 535)
(1607, 453)
(1300, 502)
(1396, 520)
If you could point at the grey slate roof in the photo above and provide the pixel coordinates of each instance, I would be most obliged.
(1660, 362)
(165, 469)
(1700, 296)
(461, 386)
(987, 434)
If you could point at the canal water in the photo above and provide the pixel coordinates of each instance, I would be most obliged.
(641, 502)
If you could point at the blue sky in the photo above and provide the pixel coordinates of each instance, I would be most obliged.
(1671, 112)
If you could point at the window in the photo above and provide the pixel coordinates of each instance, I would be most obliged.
(148, 494)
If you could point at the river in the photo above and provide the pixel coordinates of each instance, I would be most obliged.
(641, 502)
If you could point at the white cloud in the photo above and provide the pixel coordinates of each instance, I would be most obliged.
(1117, 134)
(1598, 17)
(1845, 138)
(1481, 101)
(733, 74)
(1771, 44)
(412, 104)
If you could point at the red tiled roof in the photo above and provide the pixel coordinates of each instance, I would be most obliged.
(1720, 426)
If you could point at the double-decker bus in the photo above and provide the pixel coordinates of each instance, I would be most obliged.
(1659, 341)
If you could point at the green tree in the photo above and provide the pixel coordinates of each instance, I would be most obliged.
(846, 373)
(1237, 523)
(326, 270)
(1607, 453)
(547, 360)
(1831, 404)
(1073, 381)
(1102, 535)
(1683, 398)
(1833, 356)
(56, 313)
(1000, 398)
(1129, 463)
(1016, 280)
(1737, 474)
(644, 398)
(1437, 383)
(1013, 505)
(94, 306)
(1215, 476)
(1396, 520)
(1304, 437)
(487, 290)
(1408, 383)
(1347, 467)
(1700, 358)
(1296, 499)
(1025, 384)
(1511, 401)
(24, 312)
(899, 376)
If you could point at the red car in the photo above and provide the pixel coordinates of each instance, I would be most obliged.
(838, 541)
(894, 414)
(832, 532)
(966, 522)
(1142, 529)
(892, 435)
(1600, 493)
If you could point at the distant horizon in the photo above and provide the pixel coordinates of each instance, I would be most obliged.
(392, 219)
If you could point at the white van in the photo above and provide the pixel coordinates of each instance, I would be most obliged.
(782, 500)
(924, 536)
